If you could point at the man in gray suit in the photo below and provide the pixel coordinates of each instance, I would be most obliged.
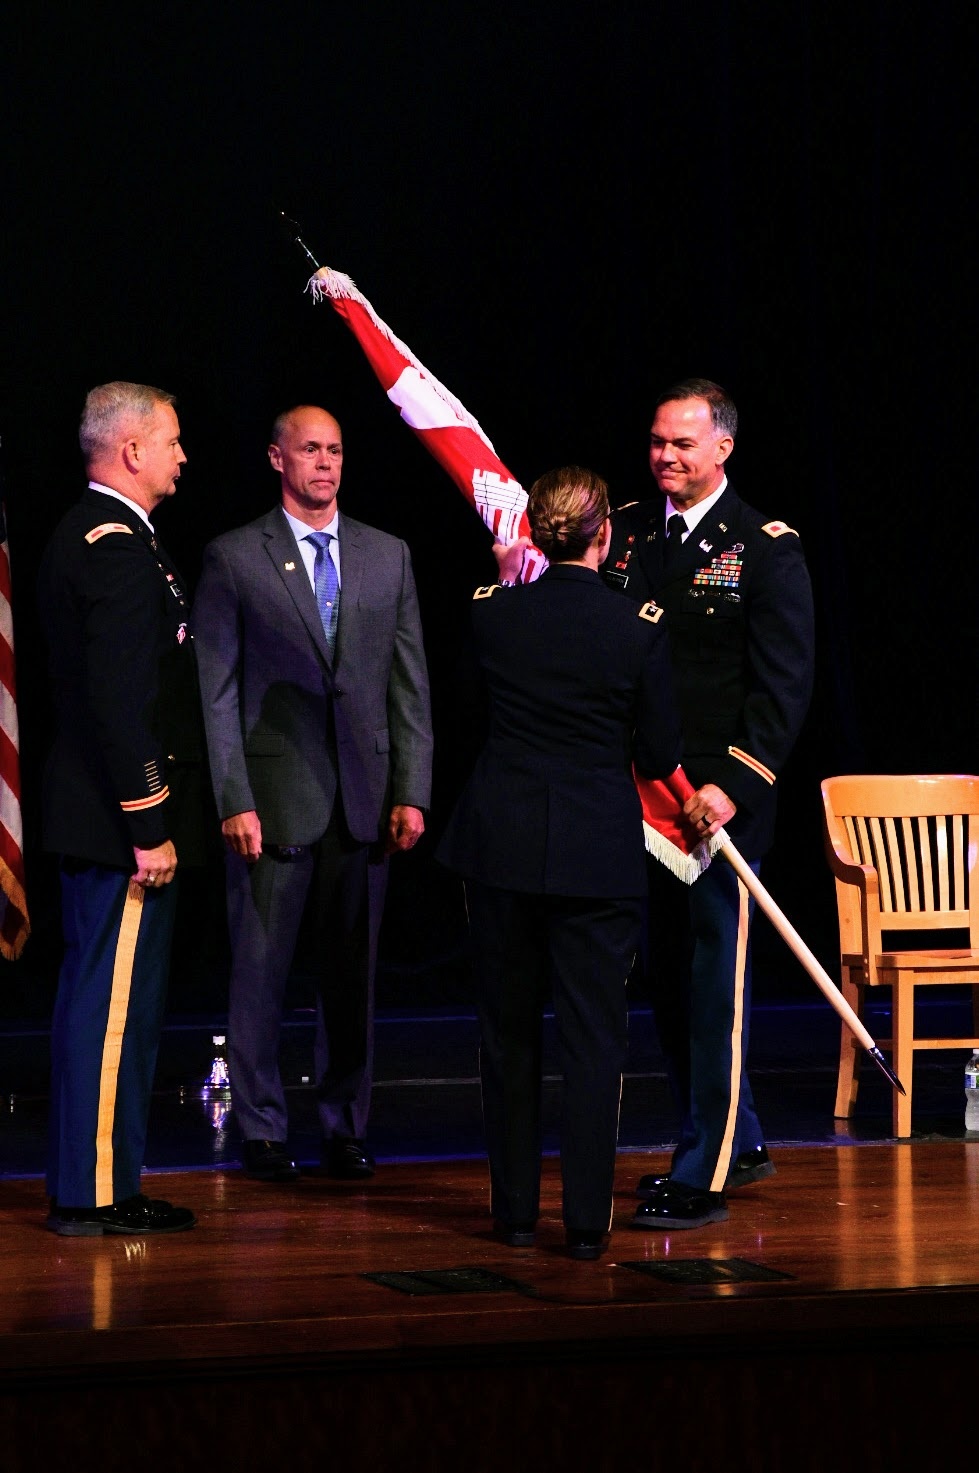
(316, 707)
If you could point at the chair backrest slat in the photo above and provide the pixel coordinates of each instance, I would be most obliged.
(927, 882)
(894, 867)
(914, 892)
(878, 858)
(959, 851)
(941, 844)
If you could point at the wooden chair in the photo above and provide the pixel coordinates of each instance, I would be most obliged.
(904, 854)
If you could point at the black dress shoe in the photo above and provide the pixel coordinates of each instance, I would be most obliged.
(584, 1244)
(348, 1158)
(515, 1234)
(651, 1183)
(267, 1161)
(750, 1166)
(133, 1217)
(675, 1205)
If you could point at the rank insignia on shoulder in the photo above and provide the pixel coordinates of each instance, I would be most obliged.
(651, 612)
(488, 591)
(776, 529)
(104, 529)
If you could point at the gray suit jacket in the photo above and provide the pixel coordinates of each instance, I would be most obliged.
(286, 724)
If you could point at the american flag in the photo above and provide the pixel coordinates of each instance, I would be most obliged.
(14, 924)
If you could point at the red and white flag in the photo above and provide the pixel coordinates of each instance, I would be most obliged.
(14, 924)
(669, 838)
(450, 433)
(444, 426)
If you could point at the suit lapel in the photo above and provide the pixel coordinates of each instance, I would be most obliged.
(288, 563)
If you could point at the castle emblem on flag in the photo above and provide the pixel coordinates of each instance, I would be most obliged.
(500, 502)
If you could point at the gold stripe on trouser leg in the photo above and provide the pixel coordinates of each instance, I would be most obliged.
(618, 1122)
(122, 977)
(737, 1029)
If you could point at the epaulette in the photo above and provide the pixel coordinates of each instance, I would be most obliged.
(776, 529)
(651, 612)
(105, 528)
(488, 591)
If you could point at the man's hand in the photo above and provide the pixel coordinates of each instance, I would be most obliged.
(708, 803)
(155, 867)
(405, 827)
(510, 558)
(243, 835)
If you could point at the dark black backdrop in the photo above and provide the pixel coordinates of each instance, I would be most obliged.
(560, 209)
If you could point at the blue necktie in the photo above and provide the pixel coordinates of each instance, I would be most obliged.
(326, 584)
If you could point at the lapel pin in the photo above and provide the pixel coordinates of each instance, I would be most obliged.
(290, 567)
(705, 545)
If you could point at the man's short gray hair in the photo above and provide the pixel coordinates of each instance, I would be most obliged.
(723, 415)
(110, 407)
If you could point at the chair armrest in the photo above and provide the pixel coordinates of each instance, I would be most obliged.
(846, 870)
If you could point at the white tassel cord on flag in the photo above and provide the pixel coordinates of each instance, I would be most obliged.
(687, 867)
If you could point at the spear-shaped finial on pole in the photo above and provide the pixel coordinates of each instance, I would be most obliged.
(295, 235)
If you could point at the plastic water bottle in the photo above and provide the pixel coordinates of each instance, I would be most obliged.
(972, 1092)
(218, 1079)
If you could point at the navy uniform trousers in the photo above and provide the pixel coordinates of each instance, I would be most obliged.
(699, 971)
(105, 1032)
(580, 950)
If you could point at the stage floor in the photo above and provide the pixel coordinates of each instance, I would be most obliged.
(842, 1236)
(804, 1332)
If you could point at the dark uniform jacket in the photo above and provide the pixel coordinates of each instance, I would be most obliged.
(579, 685)
(125, 769)
(739, 614)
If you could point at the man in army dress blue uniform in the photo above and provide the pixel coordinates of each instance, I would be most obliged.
(739, 614)
(121, 802)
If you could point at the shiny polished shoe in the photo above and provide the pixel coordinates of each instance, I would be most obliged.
(584, 1244)
(347, 1158)
(515, 1234)
(675, 1205)
(647, 1185)
(134, 1217)
(268, 1161)
(750, 1166)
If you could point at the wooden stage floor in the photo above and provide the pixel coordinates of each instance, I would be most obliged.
(827, 1324)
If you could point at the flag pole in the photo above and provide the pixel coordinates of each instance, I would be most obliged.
(681, 788)
(801, 951)
(294, 232)
(678, 785)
